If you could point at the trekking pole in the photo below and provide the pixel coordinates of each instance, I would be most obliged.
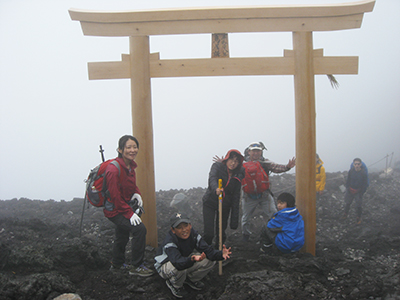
(220, 222)
(84, 198)
(102, 153)
(83, 210)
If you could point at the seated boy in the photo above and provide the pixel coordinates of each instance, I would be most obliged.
(285, 230)
(184, 257)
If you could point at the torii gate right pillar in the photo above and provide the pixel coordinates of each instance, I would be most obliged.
(142, 129)
(305, 134)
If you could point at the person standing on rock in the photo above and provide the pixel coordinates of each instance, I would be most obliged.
(231, 171)
(256, 189)
(320, 176)
(124, 208)
(356, 186)
(184, 258)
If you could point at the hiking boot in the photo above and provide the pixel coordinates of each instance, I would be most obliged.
(265, 248)
(142, 271)
(122, 268)
(177, 292)
(198, 285)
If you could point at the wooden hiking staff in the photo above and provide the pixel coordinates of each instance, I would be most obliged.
(220, 222)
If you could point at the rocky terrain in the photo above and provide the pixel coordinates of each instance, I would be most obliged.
(43, 256)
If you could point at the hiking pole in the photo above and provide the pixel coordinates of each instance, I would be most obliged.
(83, 210)
(220, 222)
(102, 153)
(84, 198)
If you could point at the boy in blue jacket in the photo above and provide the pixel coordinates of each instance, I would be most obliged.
(185, 258)
(285, 230)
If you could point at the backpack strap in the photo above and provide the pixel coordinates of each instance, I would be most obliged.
(115, 163)
(107, 204)
(262, 170)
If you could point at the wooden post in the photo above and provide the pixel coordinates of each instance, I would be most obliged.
(305, 134)
(220, 45)
(142, 128)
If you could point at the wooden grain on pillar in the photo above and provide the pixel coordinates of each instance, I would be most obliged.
(305, 134)
(220, 45)
(142, 128)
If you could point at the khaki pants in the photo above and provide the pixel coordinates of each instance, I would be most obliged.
(195, 273)
(249, 205)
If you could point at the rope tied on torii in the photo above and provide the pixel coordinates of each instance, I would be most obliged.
(303, 62)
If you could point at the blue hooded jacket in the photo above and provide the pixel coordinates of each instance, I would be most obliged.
(290, 237)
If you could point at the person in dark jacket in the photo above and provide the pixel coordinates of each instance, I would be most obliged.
(231, 171)
(185, 258)
(356, 185)
(124, 207)
(285, 230)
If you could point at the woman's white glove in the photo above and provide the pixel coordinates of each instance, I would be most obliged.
(135, 220)
(138, 198)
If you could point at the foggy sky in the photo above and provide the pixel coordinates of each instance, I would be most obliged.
(53, 119)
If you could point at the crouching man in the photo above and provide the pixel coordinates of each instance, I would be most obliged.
(185, 258)
(285, 230)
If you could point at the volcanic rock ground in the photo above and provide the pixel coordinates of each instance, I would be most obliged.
(42, 255)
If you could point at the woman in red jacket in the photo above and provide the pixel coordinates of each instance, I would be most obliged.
(124, 206)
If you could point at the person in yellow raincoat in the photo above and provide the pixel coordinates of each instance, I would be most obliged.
(320, 176)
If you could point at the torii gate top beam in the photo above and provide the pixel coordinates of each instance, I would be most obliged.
(216, 20)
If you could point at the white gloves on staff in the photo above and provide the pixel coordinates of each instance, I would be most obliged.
(135, 220)
(138, 198)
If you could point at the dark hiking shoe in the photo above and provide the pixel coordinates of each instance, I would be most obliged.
(142, 271)
(198, 285)
(177, 292)
(265, 248)
(122, 268)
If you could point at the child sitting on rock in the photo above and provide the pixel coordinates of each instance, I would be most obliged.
(285, 230)
(185, 258)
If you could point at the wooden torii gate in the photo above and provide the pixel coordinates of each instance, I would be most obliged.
(303, 62)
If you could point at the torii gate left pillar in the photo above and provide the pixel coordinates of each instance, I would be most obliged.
(303, 62)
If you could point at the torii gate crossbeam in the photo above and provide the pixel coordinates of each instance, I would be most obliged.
(303, 62)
